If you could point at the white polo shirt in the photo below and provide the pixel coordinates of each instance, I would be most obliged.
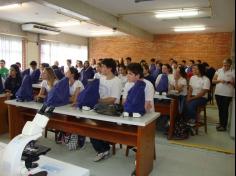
(180, 82)
(46, 86)
(74, 86)
(225, 89)
(198, 84)
(149, 92)
(110, 88)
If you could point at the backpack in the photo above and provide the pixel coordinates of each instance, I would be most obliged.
(135, 101)
(111, 110)
(25, 92)
(163, 84)
(90, 95)
(181, 129)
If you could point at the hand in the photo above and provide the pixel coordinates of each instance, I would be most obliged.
(148, 106)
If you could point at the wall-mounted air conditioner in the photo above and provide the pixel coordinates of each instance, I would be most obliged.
(40, 28)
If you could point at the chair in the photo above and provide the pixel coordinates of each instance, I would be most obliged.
(198, 122)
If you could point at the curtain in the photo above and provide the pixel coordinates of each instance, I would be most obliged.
(51, 52)
(10, 49)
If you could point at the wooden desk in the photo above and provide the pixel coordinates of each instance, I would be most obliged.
(139, 132)
(170, 109)
(3, 115)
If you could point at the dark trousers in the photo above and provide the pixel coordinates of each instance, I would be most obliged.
(223, 108)
(99, 145)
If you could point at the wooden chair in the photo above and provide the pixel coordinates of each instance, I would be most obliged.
(200, 123)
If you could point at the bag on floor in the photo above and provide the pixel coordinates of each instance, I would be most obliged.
(181, 129)
(71, 141)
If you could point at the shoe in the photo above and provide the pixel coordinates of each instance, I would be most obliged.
(101, 156)
(191, 122)
(221, 129)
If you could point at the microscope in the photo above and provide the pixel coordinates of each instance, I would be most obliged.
(21, 154)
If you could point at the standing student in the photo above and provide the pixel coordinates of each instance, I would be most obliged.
(110, 92)
(199, 87)
(49, 80)
(135, 73)
(3, 70)
(13, 81)
(225, 86)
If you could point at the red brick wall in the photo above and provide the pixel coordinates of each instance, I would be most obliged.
(210, 47)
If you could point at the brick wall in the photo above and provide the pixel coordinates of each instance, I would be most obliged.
(211, 47)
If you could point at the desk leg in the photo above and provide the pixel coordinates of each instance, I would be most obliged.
(3, 116)
(145, 149)
(173, 113)
(16, 121)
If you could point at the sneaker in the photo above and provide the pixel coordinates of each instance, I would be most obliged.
(191, 122)
(221, 129)
(101, 156)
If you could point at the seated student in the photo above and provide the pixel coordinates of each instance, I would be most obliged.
(199, 86)
(41, 67)
(135, 73)
(147, 74)
(86, 73)
(122, 75)
(75, 85)
(13, 82)
(98, 73)
(58, 72)
(163, 79)
(179, 84)
(33, 71)
(49, 80)
(110, 92)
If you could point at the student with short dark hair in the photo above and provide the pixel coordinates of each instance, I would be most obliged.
(3, 70)
(122, 75)
(33, 71)
(110, 92)
(147, 75)
(86, 73)
(13, 81)
(128, 60)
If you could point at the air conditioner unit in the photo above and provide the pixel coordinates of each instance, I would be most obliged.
(40, 28)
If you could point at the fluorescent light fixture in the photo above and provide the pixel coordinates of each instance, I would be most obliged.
(10, 6)
(177, 13)
(189, 28)
(103, 33)
(67, 23)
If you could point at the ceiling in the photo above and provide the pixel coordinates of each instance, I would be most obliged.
(222, 20)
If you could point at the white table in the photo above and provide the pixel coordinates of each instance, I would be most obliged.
(56, 167)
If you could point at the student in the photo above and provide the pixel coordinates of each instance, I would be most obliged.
(33, 71)
(174, 66)
(189, 68)
(19, 65)
(59, 74)
(225, 86)
(152, 66)
(179, 84)
(49, 80)
(135, 73)
(75, 85)
(13, 82)
(110, 92)
(41, 67)
(79, 65)
(199, 86)
(128, 60)
(147, 74)
(3, 70)
(86, 73)
(98, 73)
(157, 70)
(123, 75)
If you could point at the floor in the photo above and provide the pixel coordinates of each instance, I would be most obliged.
(172, 159)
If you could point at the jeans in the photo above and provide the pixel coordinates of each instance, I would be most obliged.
(192, 107)
(99, 145)
(223, 107)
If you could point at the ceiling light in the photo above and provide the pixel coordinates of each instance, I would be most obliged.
(103, 33)
(177, 13)
(189, 28)
(11, 6)
(67, 23)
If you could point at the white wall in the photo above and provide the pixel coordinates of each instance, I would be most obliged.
(32, 39)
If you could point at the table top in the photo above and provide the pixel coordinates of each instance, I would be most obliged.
(2, 95)
(72, 111)
(56, 167)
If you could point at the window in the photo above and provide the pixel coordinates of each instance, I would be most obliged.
(10, 49)
(51, 52)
